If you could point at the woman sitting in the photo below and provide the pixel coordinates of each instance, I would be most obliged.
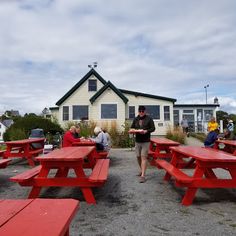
(100, 139)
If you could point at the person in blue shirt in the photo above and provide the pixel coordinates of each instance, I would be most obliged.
(211, 137)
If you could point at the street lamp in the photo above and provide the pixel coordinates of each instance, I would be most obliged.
(205, 87)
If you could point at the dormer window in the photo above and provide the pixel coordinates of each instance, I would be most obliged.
(92, 85)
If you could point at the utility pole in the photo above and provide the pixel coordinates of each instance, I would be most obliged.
(205, 87)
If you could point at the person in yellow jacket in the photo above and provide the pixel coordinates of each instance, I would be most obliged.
(212, 125)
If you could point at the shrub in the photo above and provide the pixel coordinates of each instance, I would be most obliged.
(23, 125)
(176, 134)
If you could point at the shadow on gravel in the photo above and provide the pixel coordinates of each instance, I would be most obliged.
(204, 196)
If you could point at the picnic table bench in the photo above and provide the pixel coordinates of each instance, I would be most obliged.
(203, 175)
(3, 163)
(26, 148)
(36, 217)
(63, 160)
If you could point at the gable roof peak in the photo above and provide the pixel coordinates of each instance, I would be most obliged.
(76, 86)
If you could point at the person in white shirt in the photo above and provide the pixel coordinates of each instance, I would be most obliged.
(100, 139)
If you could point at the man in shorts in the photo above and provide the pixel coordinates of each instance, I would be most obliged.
(145, 125)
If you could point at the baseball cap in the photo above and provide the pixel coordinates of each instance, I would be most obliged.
(141, 108)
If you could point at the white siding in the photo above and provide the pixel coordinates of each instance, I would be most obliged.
(160, 124)
(2, 131)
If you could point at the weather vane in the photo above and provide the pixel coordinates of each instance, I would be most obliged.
(94, 65)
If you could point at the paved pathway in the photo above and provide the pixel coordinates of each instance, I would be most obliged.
(190, 141)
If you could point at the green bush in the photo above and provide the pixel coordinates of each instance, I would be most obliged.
(23, 125)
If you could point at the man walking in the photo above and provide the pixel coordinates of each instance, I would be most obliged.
(142, 139)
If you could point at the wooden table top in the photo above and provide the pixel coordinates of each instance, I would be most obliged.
(205, 154)
(164, 141)
(36, 216)
(67, 154)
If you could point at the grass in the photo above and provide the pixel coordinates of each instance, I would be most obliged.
(176, 134)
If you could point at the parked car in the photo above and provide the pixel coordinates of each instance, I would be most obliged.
(36, 133)
(39, 133)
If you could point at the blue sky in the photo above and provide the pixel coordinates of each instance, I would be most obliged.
(162, 47)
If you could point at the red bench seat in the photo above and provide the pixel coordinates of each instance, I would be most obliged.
(174, 172)
(100, 171)
(4, 162)
(26, 176)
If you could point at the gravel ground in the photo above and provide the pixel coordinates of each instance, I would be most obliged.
(127, 207)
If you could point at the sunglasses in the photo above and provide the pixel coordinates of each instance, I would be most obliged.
(142, 111)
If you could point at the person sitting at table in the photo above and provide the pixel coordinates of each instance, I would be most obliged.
(211, 137)
(212, 124)
(77, 131)
(100, 139)
(68, 138)
(108, 137)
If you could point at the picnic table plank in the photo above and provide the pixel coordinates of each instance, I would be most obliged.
(37, 217)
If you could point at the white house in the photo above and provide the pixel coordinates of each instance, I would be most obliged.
(2, 131)
(93, 98)
(198, 115)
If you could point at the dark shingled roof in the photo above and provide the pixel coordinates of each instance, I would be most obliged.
(104, 88)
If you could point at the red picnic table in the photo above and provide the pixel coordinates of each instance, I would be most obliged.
(203, 176)
(160, 148)
(89, 142)
(26, 148)
(37, 217)
(84, 142)
(63, 160)
(228, 145)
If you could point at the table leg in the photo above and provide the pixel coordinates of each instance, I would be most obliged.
(35, 191)
(191, 192)
(62, 172)
(174, 162)
(189, 196)
(88, 195)
(30, 161)
(87, 192)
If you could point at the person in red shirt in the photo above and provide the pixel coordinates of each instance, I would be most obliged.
(68, 138)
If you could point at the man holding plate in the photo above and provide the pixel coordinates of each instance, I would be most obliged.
(144, 126)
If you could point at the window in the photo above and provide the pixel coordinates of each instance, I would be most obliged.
(166, 113)
(92, 85)
(176, 117)
(199, 114)
(208, 114)
(65, 111)
(153, 111)
(80, 112)
(108, 111)
(131, 112)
